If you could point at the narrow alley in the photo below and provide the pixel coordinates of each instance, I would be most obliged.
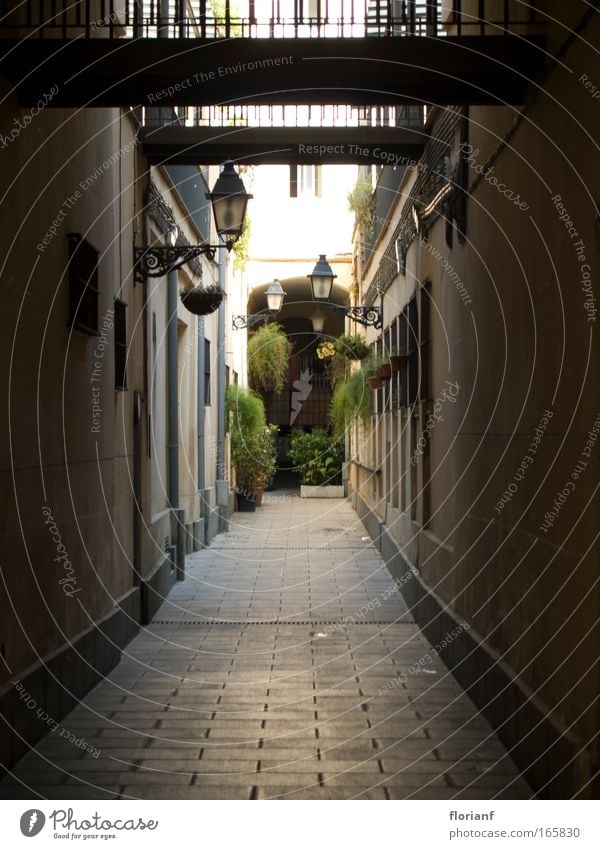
(286, 665)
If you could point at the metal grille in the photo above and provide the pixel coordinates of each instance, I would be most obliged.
(198, 19)
(430, 179)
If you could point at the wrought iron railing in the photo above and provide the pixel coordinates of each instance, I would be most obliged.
(270, 116)
(266, 18)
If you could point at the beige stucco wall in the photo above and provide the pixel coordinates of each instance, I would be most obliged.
(525, 344)
(50, 456)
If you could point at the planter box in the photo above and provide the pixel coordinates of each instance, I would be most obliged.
(397, 361)
(321, 491)
(246, 501)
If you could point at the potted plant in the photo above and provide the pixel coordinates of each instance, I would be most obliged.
(351, 399)
(370, 369)
(202, 301)
(246, 413)
(326, 350)
(360, 202)
(384, 371)
(318, 460)
(269, 352)
(352, 346)
(397, 360)
(246, 482)
(266, 460)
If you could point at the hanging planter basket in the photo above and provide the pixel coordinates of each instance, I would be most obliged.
(360, 353)
(202, 301)
(397, 361)
(384, 371)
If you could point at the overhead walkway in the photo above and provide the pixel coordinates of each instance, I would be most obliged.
(109, 53)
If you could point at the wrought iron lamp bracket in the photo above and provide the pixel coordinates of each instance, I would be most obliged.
(158, 260)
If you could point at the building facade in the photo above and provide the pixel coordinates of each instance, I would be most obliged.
(110, 469)
(477, 475)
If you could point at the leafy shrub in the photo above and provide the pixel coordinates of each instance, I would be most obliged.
(317, 457)
(351, 399)
(247, 425)
(360, 202)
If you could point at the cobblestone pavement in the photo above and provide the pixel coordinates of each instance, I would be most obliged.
(285, 666)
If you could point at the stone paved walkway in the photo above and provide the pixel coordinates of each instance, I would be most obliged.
(280, 668)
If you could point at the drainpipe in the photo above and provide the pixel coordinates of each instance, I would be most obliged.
(200, 424)
(172, 390)
(177, 515)
(200, 406)
(177, 528)
(222, 487)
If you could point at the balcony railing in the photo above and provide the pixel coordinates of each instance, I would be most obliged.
(178, 19)
(297, 115)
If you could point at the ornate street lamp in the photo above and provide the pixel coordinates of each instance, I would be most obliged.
(321, 281)
(275, 295)
(229, 201)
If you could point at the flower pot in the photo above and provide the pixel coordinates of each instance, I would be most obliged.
(384, 371)
(397, 361)
(375, 382)
(259, 492)
(246, 501)
(201, 301)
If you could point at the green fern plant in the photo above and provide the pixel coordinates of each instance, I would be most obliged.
(269, 352)
(360, 202)
(352, 399)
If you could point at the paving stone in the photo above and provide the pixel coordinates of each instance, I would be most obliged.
(239, 791)
(205, 706)
(319, 793)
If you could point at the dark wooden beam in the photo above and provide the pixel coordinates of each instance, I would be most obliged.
(282, 145)
(367, 71)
